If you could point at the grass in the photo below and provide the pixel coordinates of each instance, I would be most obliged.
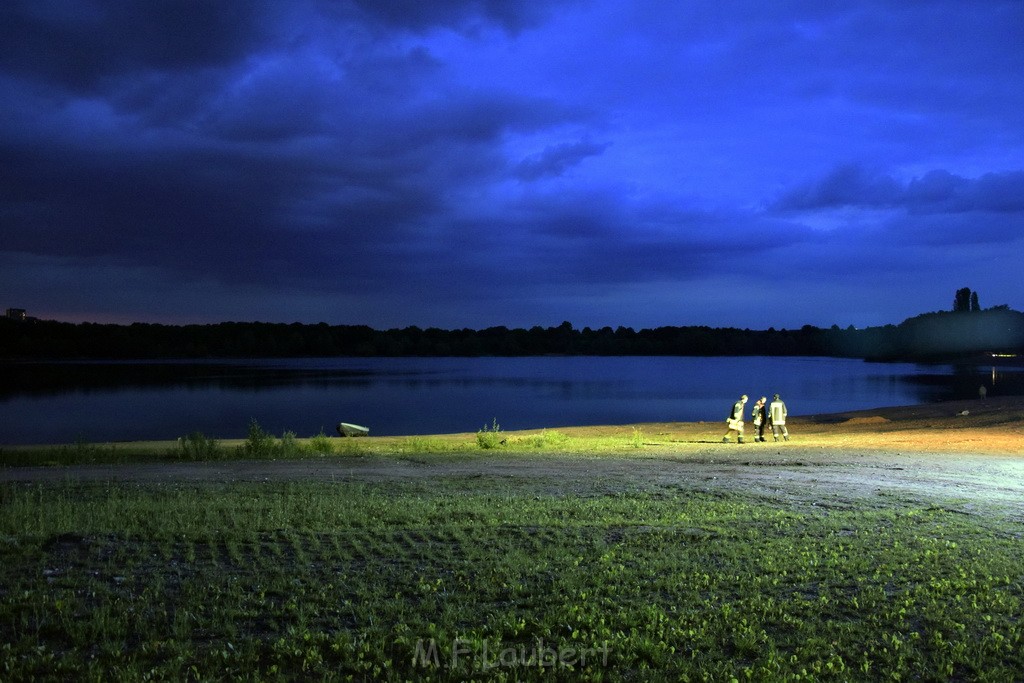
(480, 577)
(195, 446)
(262, 445)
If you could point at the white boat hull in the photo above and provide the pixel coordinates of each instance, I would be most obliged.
(348, 429)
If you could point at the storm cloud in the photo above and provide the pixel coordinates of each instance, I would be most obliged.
(471, 163)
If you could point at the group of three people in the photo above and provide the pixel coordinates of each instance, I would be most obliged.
(774, 416)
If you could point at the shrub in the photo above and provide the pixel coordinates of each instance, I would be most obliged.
(321, 443)
(259, 444)
(196, 446)
(490, 438)
(552, 439)
(288, 446)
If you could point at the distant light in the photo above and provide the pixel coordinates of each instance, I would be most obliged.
(1004, 355)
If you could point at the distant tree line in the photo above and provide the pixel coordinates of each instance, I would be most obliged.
(931, 336)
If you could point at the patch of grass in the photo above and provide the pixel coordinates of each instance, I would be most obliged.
(490, 437)
(433, 444)
(466, 577)
(289, 446)
(321, 444)
(545, 440)
(197, 446)
(79, 453)
(262, 445)
(351, 446)
(259, 444)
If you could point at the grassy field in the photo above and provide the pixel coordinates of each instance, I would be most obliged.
(567, 555)
(498, 580)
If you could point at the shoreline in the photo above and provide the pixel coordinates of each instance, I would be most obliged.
(992, 412)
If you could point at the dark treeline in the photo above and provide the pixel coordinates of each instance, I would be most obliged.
(931, 336)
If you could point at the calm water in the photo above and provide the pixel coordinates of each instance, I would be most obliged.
(96, 402)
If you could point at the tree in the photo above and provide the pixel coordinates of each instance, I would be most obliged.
(974, 302)
(962, 300)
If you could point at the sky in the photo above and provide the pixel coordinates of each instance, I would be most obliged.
(476, 163)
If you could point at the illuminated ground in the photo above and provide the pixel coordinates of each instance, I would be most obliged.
(971, 452)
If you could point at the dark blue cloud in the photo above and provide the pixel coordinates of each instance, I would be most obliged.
(488, 162)
(941, 191)
(556, 159)
(936, 191)
(848, 185)
(83, 45)
(512, 15)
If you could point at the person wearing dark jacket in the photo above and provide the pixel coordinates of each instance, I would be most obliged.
(759, 416)
(735, 420)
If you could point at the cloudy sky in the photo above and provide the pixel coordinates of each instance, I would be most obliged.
(469, 163)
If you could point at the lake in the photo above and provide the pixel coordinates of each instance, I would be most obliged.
(100, 401)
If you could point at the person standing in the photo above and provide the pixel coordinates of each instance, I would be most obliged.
(735, 420)
(760, 418)
(777, 414)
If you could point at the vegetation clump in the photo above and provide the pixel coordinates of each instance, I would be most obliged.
(197, 446)
(262, 445)
(321, 444)
(490, 437)
(259, 444)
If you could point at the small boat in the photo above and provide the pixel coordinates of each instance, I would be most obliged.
(347, 429)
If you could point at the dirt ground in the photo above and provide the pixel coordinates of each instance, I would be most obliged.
(965, 454)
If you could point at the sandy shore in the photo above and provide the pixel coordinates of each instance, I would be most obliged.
(969, 454)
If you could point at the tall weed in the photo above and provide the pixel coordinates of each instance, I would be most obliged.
(320, 444)
(289, 446)
(490, 438)
(259, 443)
(197, 446)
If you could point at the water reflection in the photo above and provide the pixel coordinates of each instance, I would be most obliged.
(57, 378)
